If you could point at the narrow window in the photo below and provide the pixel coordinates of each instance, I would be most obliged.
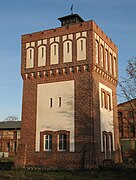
(110, 63)
(8, 146)
(105, 144)
(102, 56)
(131, 127)
(42, 53)
(54, 50)
(15, 147)
(81, 45)
(108, 102)
(67, 47)
(131, 115)
(110, 145)
(106, 60)
(114, 67)
(30, 54)
(59, 102)
(50, 102)
(103, 100)
(120, 118)
(48, 142)
(62, 142)
(96, 51)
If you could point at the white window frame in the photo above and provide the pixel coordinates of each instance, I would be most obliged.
(47, 142)
(63, 142)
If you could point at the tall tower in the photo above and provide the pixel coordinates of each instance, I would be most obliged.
(69, 107)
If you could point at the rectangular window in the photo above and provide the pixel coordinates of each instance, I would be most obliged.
(54, 50)
(96, 51)
(30, 54)
(131, 127)
(50, 102)
(131, 114)
(106, 60)
(8, 146)
(114, 67)
(103, 100)
(48, 142)
(108, 102)
(42, 53)
(62, 142)
(59, 103)
(67, 47)
(15, 147)
(102, 56)
(81, 45)
(110, 63)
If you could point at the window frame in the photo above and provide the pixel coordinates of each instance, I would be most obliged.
(48, 142)
(62, 142)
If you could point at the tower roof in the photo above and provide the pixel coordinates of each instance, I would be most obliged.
(70, 19)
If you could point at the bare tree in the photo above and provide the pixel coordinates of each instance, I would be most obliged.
(128, 92)
(128, 83)
(12, 118)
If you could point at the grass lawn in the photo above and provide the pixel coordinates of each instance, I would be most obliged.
(114, 174)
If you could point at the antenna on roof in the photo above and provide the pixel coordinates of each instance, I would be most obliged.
(71, 9)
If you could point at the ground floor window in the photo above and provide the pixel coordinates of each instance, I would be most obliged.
(62, 142)
(107, 144)
(47, 142)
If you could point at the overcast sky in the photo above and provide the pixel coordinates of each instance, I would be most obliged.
(117, 18)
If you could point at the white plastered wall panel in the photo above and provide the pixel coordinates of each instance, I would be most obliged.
(106, 116)
(55, 118)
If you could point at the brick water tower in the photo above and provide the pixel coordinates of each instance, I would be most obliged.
(69, 107)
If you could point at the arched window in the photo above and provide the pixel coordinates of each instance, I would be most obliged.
(81, 49)
(54, 53)
(41, 55)
(67, 51)
(96, 52)
(30, 57)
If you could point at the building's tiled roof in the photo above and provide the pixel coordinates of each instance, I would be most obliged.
(127, 102)
(10, 125)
